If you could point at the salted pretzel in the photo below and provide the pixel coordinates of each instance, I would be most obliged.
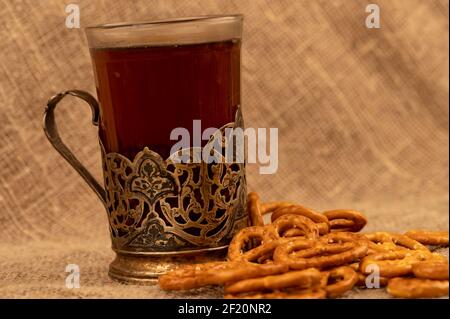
(338, 281)
(343, 237)
(264, 257)
(306, 254)
(354, 266)
(385, 242)
(301, 279)
(417, 288)
(267, 235)
(345, 220)
(431, 269)
(262, 254)
(396, 263)
(293, 232)
(215, 273)
(254, 209)
(319, 219)
(304, 226)
(270, 207)
(434, 238)
(301, 254)
(312, 293)
(380, 242)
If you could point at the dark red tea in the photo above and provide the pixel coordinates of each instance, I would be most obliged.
(145, 92)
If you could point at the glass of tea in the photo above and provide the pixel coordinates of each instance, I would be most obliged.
(155, 79)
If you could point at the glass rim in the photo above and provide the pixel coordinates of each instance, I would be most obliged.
(170, 31)
(180, 20)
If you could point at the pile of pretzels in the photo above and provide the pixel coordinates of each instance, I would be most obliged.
(306, 254)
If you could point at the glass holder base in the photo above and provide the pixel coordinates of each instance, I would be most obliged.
(145, 269)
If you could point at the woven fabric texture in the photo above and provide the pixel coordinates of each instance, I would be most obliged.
(362, 116)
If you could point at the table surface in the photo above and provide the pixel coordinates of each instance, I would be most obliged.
(37, 270)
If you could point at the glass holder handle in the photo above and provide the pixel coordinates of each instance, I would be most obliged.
(51, 131)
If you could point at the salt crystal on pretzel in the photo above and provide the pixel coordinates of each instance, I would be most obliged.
(345, 220)
(385, 242)
(306, 226)
(343, 237)
(293, 232)
(319, 219)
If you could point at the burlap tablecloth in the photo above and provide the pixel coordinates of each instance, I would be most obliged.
(362, 117)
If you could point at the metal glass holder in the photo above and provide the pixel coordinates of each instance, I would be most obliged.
(161, 213)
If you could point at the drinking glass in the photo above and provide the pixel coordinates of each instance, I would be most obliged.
(152, 78)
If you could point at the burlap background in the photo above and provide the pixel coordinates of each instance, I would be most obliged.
(362, 117)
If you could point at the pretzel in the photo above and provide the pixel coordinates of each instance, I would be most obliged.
(345, 220)
(396, 263)
(306, 226)
(312, 293)
(380, 242)
(355, 240)
(354, 266)
(319, 219)
(343, 279)
(265, 234)
(409, 243)
(301, 254)
(343, 237)
(417, 288)
(215, 273)
(263, 257)
(299, 279)
(270, 207)
(430, 269)
(391, 263)
(434, 238)
(385, 242)
(254, 209)
(261, 254)
(293, 232)
(305, 254)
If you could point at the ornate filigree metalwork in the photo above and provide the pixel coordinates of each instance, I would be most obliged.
(157, 205)
(162, 214)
